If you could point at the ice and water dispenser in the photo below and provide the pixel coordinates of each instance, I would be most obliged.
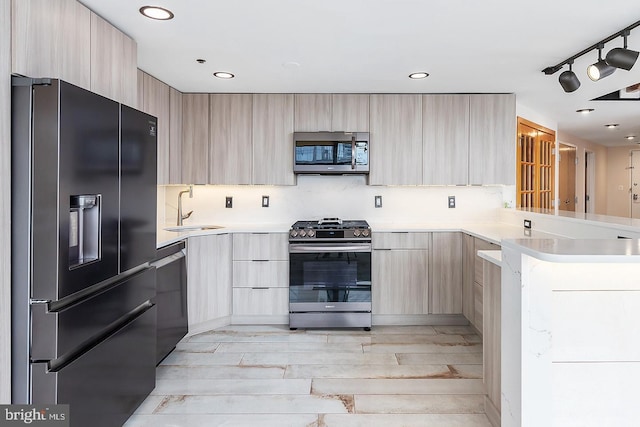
(84, 229)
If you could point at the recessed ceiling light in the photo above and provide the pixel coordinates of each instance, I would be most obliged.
(420, 75)
(223, 75)
(612, 125)
(630, 137)
(584, 110)
(156, 12)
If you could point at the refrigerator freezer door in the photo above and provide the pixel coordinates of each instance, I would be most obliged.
(138, 188)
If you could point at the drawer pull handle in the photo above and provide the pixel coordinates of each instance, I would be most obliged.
(259, 260)
(259, 288)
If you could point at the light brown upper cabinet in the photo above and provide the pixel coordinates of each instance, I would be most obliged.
(331, 112)
(396, 140)
(312, 112)
(445, 124)
(350, 112)
(114, 62)
(230, 139)
(195, 138)
(155, 101)
(51, 39)
(492, 133)
(175, 137)
(273, 139)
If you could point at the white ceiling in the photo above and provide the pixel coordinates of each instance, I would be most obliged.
(467, 46)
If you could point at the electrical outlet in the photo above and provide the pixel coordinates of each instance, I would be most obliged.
(228, 202)
(265, 201)
(452, 202)
(527, 224)
(378, 201)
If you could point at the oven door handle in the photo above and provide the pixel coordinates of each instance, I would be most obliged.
(320, 248)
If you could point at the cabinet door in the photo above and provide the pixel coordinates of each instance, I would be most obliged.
(400, 281)
(195, 138)
(445, 124)
(312, 112)
(400, 240)
(209, 277)
(273, 139)
(260, 273)
(175, 136)
(396, 140)
(114, 71)
(230, 139)
(492, 139)
(52, 39)
(350, 112)
(446, 273)
(481, 245)
(468, 277)
(155, 101)
(491, 343)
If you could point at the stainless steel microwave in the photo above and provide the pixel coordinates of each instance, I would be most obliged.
(331, 152)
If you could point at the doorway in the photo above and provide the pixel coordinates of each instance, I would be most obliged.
(635, 184)
(589, 181)
(567, 178)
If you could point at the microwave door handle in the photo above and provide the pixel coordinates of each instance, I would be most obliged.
(353, 152)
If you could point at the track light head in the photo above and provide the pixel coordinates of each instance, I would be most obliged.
(621, 57)
(600, 69)
(568, 80)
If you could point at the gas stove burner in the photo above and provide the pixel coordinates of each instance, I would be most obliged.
(330, 229)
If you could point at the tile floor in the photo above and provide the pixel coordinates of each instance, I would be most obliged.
(269, 376)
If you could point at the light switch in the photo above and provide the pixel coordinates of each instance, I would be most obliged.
(378, 201)
(265, 201)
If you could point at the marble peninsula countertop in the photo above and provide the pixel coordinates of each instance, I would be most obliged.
(578, 250)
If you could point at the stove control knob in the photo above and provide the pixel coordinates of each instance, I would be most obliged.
(356, 233)
(293, 233)
(365, 233)
(303, 233)
(311, 233)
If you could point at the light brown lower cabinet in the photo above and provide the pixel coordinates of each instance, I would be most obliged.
(260, 301)
(446, 275)
(491, 345)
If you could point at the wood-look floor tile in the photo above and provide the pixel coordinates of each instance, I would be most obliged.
(396, 386)
(184, 358)
(303, 358)
(455, 330)
(404, 420)
(235, 420)
(419, 404)
(219, 372)
(262, 347)
(423, 348)
(231, 386)
(366, 371)
(439, 358)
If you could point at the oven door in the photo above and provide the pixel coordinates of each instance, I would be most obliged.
(330, 277)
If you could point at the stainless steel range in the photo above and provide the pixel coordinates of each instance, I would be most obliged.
(330, 274)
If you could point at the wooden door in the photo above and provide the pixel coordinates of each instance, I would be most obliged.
(567, 178)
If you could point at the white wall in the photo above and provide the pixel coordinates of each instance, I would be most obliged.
(346, 197)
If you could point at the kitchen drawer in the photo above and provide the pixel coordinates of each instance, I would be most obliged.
(260, 246)
(478, 305)
(260, 301)
(400, 240)
(272, 274)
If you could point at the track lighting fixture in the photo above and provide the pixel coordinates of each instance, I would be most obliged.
(568, 80)
(600, 69)
(617, 58)
(621, 57)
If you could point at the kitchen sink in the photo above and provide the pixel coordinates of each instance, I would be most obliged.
(186, 228)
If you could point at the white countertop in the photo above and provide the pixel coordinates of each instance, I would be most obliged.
(494, 233)
(578, 250)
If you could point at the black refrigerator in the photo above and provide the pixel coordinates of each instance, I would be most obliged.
(83, 233)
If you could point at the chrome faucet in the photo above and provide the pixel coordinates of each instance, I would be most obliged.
(182, 217)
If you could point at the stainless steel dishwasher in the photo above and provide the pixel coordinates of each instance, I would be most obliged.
(171, 297)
